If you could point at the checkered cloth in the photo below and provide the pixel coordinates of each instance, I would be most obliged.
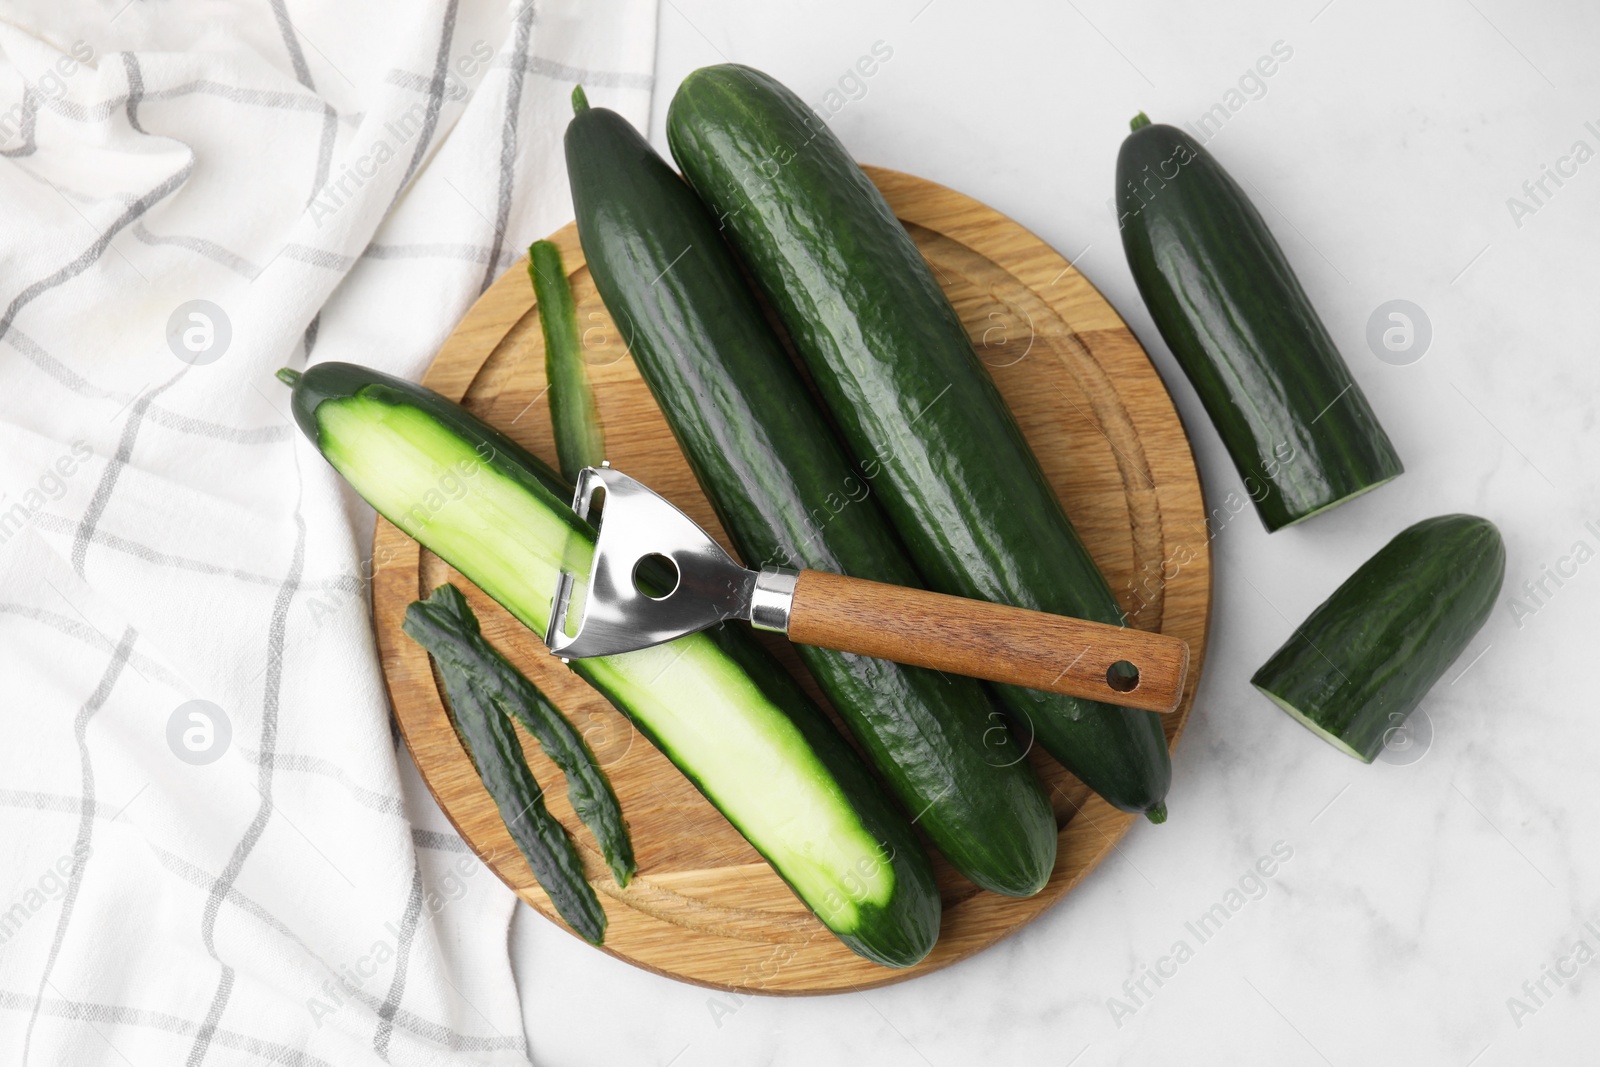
(215, 850)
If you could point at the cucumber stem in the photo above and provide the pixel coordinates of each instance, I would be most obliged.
(1139, 121)
(287, 376)
(580, 100)
(1157, 814)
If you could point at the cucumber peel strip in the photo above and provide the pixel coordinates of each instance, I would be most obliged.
(445, 625)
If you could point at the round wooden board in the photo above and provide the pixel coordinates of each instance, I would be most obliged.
(704, 907)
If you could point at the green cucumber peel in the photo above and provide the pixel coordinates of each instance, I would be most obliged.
(445, 625)
(574, 413)
(491, 743)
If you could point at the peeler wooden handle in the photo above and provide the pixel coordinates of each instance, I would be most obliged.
(990, 641)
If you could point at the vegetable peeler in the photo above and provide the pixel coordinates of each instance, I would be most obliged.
(641, 533)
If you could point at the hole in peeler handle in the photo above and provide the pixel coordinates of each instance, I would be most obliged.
(656, 576)
(1122, 676)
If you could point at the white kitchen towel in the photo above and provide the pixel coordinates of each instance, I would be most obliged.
(212, 848)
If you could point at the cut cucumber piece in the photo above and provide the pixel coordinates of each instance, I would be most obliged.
(1295, 423)
(1362, 662)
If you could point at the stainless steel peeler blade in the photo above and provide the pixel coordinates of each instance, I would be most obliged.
(643, 537)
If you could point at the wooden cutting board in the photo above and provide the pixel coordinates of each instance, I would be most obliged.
(704, 907)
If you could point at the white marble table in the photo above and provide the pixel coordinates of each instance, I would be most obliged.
(1420, 903)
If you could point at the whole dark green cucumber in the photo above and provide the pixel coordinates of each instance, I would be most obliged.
(1297, 426)
(787, 496)
(491, 743)
(917, 409)
(1368, 655)
(714, 703)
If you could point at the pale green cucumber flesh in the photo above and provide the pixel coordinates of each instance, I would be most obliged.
(1310, 724)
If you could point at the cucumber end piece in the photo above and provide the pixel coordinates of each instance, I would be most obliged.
(1139, 122)
(287, 375)
(1157, 813)
(1306, 721)
(580, 100)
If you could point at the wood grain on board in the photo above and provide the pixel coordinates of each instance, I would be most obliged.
(704, 906)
